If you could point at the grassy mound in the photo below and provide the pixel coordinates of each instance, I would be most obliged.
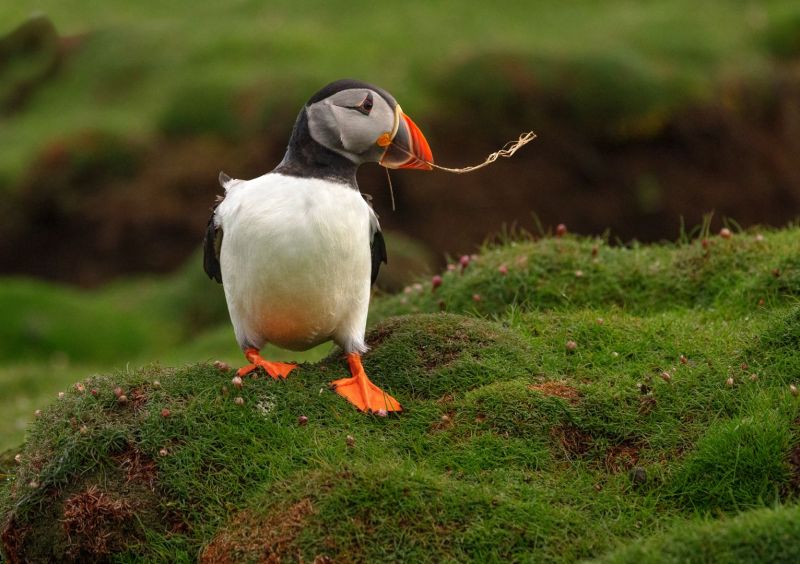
(764, 535)
(575, 401)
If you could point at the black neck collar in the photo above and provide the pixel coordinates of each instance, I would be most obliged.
(306, 158)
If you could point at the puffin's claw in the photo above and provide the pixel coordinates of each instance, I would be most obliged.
(274, 369)
(361, 392)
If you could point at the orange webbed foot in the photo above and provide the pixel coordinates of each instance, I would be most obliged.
(361, 392)
(274, 369)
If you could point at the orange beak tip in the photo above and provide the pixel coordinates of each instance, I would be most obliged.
(408, 148)
(422, 151)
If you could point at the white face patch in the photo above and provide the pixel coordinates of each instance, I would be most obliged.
(350, 122)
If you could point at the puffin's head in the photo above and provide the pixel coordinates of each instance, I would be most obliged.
(365, 124)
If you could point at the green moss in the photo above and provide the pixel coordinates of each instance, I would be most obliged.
(764, 535)
(417, 515)
(569, 273)
(511, 446)
(428, 356)
(738, 463)
(777, 350)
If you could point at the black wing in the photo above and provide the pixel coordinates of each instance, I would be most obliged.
(211, 247)
(377, 246)
(213, 240)
(378, 250)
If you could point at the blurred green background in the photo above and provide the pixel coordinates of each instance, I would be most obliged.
(115, 118)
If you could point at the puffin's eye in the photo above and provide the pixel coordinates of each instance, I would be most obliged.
(365, 106)
(367, 103)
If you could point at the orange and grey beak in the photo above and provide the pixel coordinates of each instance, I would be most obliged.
(407, 147)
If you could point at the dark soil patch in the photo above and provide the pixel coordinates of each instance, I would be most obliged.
(92, 517)
(573, 441)
(13, 536)
(137, 467)
(86, 523)
(647, 403)
(621, 457)
(137, 398)
(94, 521)
(144, 209)
(94, 208)
(794, 462)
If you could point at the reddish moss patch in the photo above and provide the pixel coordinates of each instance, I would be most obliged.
(137, 398)
(557, 389)
(13, 537)
(647, 403)
(94, 521)
(621, 457)
(446, 399)
(256, 539)
(91, 518)
(572, 440)
(137, 467)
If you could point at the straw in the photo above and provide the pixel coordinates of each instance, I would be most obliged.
(506, 151)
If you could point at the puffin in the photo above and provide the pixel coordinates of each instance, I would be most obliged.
(298, 249)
